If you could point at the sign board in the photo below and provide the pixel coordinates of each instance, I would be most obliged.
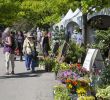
(93, 58)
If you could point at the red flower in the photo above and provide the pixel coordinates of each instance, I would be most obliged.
(78, 66)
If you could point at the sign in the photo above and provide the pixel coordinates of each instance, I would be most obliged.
(93, 58)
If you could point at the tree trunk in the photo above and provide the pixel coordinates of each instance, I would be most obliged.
(84, 28)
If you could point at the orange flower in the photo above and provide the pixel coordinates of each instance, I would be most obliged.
(74, 83)
(68, 80)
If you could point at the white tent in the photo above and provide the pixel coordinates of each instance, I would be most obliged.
(104, 11)
(76, 17)
(71, 16)
(67, 16)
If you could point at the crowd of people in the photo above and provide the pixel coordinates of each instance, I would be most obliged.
(23, 45)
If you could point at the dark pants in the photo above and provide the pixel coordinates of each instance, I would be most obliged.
(20, 47)
(30, 62)
(45, 49)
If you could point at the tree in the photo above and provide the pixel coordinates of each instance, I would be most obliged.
(43, 13)
(8, 11)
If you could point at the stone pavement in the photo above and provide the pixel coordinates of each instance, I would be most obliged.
(25, 85)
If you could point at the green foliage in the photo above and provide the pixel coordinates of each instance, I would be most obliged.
(8, 11)
(64, 66)
(56, 67)
(74, 52)
(105, 76)
(102, 40)
(43, 13)
(104, 93)
(88, 5)
(61, 93)
(50, 63)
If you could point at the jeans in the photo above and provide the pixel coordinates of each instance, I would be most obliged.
(30, 62)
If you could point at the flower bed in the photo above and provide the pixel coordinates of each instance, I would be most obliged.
(76, 81)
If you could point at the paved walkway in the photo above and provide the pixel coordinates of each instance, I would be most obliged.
(25, 85)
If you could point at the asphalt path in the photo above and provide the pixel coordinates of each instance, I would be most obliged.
(25, 85)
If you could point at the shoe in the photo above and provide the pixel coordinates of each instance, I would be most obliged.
(12, 73)
(28, 68)
(33, 71)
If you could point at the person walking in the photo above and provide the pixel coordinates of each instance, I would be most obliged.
(45, 44)
(20, 40)
(8, 50)
(29, 49)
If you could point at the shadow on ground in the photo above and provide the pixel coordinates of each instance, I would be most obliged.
(38, 73)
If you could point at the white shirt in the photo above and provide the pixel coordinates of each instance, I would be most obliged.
(39, 35)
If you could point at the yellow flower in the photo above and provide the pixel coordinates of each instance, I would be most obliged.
(81, 91)
(86, 98)
(70, 86)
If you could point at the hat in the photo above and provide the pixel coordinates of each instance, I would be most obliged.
(29, 34)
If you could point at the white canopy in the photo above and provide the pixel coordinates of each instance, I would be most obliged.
(104, 11)
(67, 16)
(71, 16)
(76, 17)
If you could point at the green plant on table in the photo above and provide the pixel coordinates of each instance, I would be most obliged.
(61, 93)
(74, 53)
(64, 66)
(104, 93)
(50, 63)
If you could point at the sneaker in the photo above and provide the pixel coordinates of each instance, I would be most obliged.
(28, 68)
(12, 73)
(33, 71)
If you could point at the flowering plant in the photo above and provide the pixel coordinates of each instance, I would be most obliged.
(71, 85)
(86, 98)
(78, 85)
(61, 93)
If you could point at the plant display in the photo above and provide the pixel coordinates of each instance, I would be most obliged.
(85, 85)
(64, 66)
(49, 64)
(73, 53)
(102, 41)
(61, 93)
(71, 85)
(105, 76)
(104, 93)
(86, 98)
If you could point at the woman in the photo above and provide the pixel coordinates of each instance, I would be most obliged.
(8, 50)
(29, 50)
(20, 40)
(45, 44)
